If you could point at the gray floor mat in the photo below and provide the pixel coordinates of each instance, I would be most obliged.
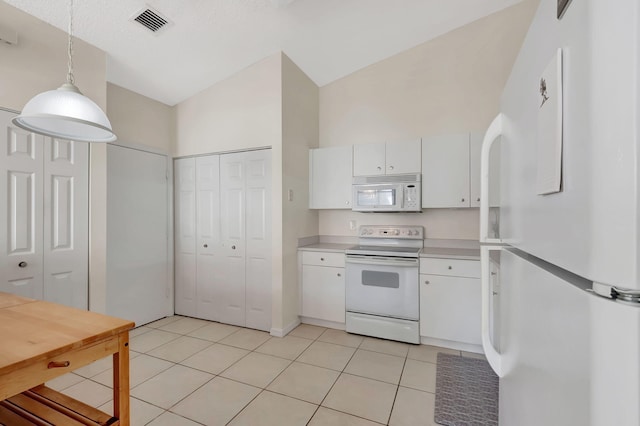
(466, 392)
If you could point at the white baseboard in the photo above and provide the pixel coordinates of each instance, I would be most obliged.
(281, 332)
(459, 346)
(323, 323)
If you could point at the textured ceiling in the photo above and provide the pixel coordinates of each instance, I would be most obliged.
(209, 40)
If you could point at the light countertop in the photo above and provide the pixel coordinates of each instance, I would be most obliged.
(429, 251)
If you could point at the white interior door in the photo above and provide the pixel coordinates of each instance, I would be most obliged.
(232, 247)
(137, 235)
(185, 236)
(21, 254)
(66, 222)
(258, 239)
(208, 273)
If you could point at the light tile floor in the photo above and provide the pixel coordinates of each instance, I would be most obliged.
(186, 371)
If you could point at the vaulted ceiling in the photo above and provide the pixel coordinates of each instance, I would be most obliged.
(206, 41)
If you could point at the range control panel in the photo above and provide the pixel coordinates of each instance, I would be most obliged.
(396, 231)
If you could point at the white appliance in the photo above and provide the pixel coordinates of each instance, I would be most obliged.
(382, 283)
(392, 193)
(569, 319)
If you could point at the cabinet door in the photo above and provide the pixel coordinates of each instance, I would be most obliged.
(445, 171)
(450, 308)
(403, 156)
(475, 147)
(330, 172)
(369, 159)
(323, 293)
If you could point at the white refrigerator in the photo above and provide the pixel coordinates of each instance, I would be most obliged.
(566, 338)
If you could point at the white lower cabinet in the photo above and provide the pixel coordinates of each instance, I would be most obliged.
(450, 300)
(323, 292)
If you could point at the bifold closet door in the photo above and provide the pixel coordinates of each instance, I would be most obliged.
(44, 220)
(245, 187)
(208, 271)
(184, 176)
(197, 241)
(21, 214)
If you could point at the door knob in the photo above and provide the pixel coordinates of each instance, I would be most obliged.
(478, 199)
(22, 264)
(339, 275)
(233, 247)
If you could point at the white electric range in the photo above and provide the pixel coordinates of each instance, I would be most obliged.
(382, 286)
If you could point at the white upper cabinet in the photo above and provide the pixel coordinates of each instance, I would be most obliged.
(445, 171)
(330, 172)
(369, 159)
(475, 147)
(391, 158)
(403, 157)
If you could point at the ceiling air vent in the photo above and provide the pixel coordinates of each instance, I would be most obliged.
(152, 20)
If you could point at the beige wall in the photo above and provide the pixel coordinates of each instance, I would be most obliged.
(138, 120)
(299, 134)
(39, 63)
(241, 112)
(448, 85)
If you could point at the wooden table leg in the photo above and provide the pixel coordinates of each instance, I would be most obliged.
(121, 380)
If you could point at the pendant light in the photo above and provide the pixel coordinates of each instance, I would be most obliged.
(66, 113)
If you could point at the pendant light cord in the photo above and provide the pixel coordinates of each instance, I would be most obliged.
(70, 78)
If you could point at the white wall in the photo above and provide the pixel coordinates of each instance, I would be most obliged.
(299, 134)
(448, 85)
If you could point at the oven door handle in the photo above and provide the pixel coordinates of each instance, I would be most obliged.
(400, 262)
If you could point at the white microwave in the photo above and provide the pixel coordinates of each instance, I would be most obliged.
(394, 193)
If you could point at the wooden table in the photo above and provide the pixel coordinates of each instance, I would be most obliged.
(40, 341)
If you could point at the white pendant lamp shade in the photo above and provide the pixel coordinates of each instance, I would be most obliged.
(66, 113)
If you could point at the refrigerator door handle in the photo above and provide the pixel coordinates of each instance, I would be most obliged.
(493, 356)
(493, 133)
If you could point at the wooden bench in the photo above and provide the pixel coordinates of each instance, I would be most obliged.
(42, 406)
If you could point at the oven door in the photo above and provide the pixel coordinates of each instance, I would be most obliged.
(386, 286)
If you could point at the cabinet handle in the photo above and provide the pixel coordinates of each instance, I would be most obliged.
(347, 203)
(379, 168)
(427, 282)
(339, 275)
(493, 273)
(22, 264)
(390, 167)
(322, 258)
(450, 267)
(205, 246)
(495, 293)
(463, 200)
(233, 247)
(478, 200)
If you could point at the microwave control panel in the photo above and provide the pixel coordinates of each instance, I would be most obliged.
(411, 198)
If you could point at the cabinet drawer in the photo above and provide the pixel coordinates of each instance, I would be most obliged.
(450, 267)
(321, 258)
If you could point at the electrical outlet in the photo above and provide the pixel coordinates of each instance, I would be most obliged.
(290, 196)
